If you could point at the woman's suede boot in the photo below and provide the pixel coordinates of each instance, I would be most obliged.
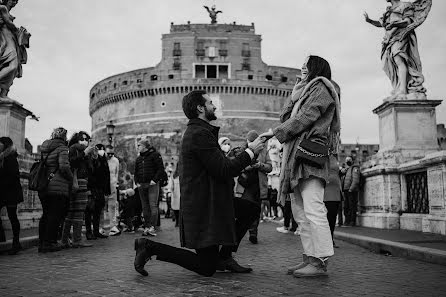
(316, 268)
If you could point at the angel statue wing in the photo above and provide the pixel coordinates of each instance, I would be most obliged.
(207, 8)
(422, 8)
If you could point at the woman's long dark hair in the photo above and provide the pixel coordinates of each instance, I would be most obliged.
(318, 66)
(78, 136)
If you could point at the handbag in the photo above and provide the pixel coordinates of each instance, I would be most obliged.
(75, 185)
(312, 153)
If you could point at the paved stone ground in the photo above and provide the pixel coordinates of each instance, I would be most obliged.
(107, 270)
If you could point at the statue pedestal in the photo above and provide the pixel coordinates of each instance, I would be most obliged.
(12, 122)
(407, 130)
(408, 141)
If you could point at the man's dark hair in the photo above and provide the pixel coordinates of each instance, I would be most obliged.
(191, 101)
(110, 147)
(318, 66)
(7, 142)
(78, 136)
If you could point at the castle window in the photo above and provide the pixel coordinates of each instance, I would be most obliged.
(222, 71)
(115, 85)
(246, 65)
(170, 76)
(200, 71)
(250, 76)
(176, 49)
(223, 51)
(245, 50)
(283, 79)
(200, 49)
(211, 71)
(176, 64)
(124, 83)
(154, 77)
(268, 77)
(163, 103)
(93, 95)
(139, 80)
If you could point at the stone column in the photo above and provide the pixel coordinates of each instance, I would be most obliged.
(12, 122)
(407, 133)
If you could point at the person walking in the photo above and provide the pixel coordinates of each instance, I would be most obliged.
(149, 171)
(207, 219)
(99, 187)
(289, 224)
(55, 196)
(350, 187)
(310, 119)
(11, 190)
(79, 154)
(333, 194)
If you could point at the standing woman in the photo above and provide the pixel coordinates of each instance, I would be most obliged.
(10, 189)
(311, 118)
(79, 155)
(54, 197)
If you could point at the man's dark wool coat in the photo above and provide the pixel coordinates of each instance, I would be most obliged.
(206, 179)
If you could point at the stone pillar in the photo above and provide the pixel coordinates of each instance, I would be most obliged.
(407, 130)
(407, 133)
(12, 122)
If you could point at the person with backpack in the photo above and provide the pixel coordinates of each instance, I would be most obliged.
(55, 196)
(10, 190)
(350, 187)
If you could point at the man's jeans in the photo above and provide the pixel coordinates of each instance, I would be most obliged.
(307, 203)
(149, 201)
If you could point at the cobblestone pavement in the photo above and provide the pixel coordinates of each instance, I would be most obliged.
(107, 270)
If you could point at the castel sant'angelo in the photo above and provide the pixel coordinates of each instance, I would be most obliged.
(223, 59)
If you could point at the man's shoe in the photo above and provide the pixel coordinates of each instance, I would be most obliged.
(100, 235)
(81, 244)
(90, 236)
(253, 239)
(305, 262)
(145, 249)
(50, 247)
(232, 265)
(282, 229)
(149, 231)
(316, 268)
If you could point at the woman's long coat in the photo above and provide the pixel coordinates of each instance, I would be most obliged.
(10, 188)
(206, 206)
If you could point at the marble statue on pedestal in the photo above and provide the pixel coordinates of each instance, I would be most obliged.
(13, 44)
(399, 55)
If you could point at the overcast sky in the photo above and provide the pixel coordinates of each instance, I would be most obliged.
(75, 44)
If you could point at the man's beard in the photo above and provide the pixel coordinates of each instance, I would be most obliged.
(210, 115)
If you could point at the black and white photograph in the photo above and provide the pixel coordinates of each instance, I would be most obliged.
(222, 148)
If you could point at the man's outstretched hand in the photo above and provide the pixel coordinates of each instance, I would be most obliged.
(257, 145)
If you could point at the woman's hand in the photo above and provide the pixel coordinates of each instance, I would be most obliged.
(267, 135)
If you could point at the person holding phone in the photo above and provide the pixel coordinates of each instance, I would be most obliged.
(311, 118)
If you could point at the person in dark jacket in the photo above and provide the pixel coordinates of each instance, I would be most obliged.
(79, 153)
(10, 189)
(149, 170)
(54, 197)
(207, 218)
(350, 187)
(99, 186)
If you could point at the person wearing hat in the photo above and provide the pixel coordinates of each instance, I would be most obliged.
(255, 187)
(10, 189)
(149, 171)
(55, 197)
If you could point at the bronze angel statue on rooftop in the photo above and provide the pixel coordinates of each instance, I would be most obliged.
(13, 44)
(399, 55)
(213, 13)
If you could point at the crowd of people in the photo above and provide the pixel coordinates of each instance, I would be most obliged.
(217, 193)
